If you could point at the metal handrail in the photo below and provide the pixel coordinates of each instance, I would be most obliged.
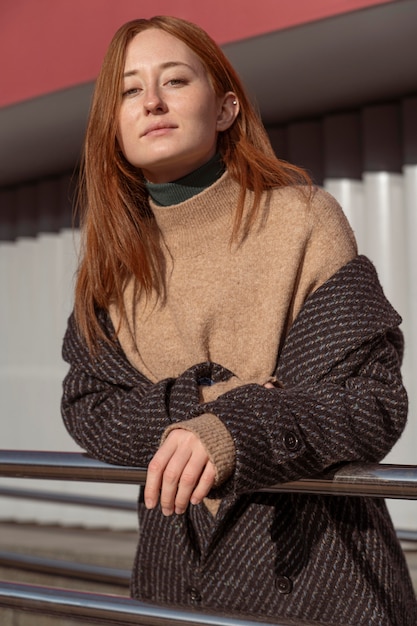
(352, 479)
(72, 466)
(112, 610)
(67, 569)
(58, 497)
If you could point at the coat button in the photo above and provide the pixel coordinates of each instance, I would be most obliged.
(291, 441)
(195, 595)
(283, 584)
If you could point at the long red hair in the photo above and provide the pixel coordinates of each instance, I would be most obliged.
(119, 234)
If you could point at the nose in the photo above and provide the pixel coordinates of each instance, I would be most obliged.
(153, 101)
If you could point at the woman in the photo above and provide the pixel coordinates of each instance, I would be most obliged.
(227, 335)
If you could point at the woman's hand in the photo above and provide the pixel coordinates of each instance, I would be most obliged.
(179, 473)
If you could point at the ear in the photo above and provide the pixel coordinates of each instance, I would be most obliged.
(228, 111)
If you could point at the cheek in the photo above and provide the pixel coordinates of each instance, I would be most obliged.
(119, 145)
(124, 133)
(206, 118)
(125, 145)
(126, 118)
(119, 139)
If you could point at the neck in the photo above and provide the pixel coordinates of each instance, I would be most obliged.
(168, 194)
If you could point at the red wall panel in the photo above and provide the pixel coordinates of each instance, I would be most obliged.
(49, 45)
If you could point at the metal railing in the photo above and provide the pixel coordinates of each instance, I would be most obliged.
(114, 610)
(354, 479)
(67, 569)
(58, 497)
(374, 480)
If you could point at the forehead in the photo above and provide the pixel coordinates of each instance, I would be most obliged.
(155, 47)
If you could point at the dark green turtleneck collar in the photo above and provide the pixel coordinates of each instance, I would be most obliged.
(167, 194)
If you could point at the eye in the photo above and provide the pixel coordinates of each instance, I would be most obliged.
(176, 82)
(133, 91)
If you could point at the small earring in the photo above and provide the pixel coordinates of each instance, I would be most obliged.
(234, 101)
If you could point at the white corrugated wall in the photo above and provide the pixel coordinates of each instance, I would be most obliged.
(382, 208)
(38, 255)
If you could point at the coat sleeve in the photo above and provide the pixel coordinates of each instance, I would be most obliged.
(342, 398)
(111, 410)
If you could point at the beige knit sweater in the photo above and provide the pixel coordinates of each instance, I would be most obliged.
(232, 304)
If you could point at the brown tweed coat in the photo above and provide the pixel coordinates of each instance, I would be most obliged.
(334, 560)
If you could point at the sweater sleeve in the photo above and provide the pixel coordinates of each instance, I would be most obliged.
(332, 243)
(115, 413)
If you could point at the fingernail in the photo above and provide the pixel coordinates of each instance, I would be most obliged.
(149, 503)
(167, 512)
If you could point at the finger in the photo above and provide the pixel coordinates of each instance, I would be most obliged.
(153, 483)
(178, 481)
(205, 484)
(181, 477)
(155, 473)
(187, 461)
(190, 477)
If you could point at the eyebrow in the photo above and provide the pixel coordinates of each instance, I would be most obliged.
(163, 66)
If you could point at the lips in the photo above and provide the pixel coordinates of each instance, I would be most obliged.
(157, 127)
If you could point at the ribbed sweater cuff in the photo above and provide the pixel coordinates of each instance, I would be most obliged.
(216, 439)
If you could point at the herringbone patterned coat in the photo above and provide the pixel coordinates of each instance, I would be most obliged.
(334, 560)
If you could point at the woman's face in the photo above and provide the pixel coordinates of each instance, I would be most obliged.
(170, 116)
